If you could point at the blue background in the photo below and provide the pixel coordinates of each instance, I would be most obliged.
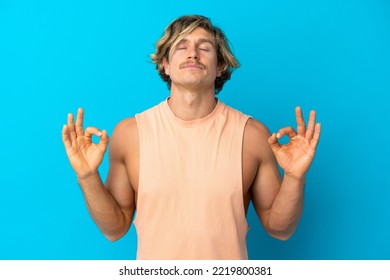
(332, 56)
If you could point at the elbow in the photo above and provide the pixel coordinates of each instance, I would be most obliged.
(117, 231)
(112, 239)
(113, 236)
(282, 233)
(282, 236)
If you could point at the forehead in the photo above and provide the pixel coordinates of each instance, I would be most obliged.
(198, 34)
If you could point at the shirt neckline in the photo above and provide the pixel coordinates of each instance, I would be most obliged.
(218, 107)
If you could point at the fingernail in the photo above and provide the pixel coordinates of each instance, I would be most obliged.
(278, 135)
(99, 133)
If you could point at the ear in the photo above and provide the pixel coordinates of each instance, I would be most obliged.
(166, 65)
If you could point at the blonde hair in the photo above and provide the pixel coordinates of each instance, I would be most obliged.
(181, 27)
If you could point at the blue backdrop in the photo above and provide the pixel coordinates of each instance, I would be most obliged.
(328, 55)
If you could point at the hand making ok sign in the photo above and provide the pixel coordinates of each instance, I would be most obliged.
(84, 156)
(296, 156)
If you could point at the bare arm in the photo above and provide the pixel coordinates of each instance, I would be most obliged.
(112, 215)
(279, 202)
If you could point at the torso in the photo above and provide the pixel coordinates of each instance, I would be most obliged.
(250, 159)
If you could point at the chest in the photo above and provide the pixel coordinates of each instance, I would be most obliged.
(183, 160)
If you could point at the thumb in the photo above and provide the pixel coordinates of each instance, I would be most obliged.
(273, 142)
(104, 139)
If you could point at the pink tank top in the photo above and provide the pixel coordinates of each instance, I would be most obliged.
(190, 196)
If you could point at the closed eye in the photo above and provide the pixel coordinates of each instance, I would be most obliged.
(181, 46)
(205, 45)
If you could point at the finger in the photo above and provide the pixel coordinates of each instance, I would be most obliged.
(289, 131)
(104, 139)
(301, 126)
(92, 131)
(79, 122)
(71, 127)
(311, 125)
(273, 141)
(316, 136)
(65, 137)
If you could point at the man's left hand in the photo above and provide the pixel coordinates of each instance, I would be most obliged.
(296, 156)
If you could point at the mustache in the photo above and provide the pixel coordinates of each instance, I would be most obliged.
(192, 63)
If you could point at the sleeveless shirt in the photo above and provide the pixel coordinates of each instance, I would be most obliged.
(190, 196)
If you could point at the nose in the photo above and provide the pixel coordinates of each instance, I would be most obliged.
(193, 53)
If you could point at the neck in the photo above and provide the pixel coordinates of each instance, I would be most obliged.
(190, 105)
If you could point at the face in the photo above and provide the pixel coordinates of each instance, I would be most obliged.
(193, 61)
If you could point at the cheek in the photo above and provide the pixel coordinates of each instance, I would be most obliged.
(166, 66)
(217, 68)
(166, 69)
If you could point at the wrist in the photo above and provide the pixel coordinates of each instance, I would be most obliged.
(88, 176)
(90, 184)
(295, 179)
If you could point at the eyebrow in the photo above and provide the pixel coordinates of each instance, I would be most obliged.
(200, 41)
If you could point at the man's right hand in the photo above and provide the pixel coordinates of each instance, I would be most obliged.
(84, 156)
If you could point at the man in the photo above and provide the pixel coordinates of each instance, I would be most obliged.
(190, 165)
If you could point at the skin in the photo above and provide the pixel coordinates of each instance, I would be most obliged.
(193, 67)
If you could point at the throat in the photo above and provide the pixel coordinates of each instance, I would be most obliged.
(190, 108)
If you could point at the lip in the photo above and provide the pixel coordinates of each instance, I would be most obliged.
(193, 67)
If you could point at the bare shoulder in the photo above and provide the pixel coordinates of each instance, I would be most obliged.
(125, 136)
(127, 126)
(256, 139)
(256, 132)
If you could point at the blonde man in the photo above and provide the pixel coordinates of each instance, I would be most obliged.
(190, 165)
